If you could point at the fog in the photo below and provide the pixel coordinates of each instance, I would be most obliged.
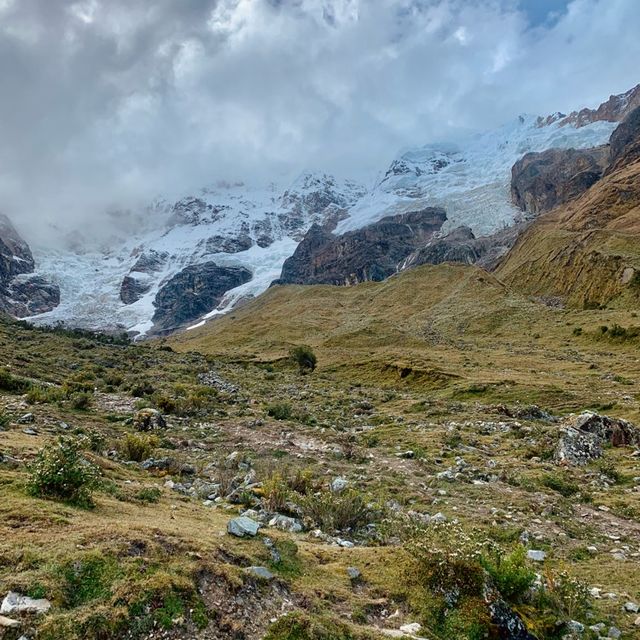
(109, 103)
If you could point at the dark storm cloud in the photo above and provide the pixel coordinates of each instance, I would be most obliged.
(105, 103)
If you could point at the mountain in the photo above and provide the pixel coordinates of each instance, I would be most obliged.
(235, 228)
(587, 251)
(22, 293)
(244, 234)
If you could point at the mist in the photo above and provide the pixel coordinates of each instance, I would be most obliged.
(107, 104)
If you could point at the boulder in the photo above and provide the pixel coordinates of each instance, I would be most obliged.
(243, 527)
(285, 523)
(149, 420)
(15, 603)
(584, 436)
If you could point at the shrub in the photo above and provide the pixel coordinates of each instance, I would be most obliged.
(511, 574)
(80, 401)
(60, 471)
(280, 410)
(563, 486)
(137, 447)
(149, 495)
(13, 384)
(334, 512)
(275, 493)
(304, 357)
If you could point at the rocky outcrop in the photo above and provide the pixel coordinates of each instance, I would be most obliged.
(139, 281)
(615, 109)
(625, 142)
(583, 437)
(542, 181)
(193, 292)
(22, 293)
(372, 253)
(461, 245)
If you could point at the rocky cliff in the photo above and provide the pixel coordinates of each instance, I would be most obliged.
(22, 293)
(540, 181)
(586, 251)
(372, 253)
(193, 292)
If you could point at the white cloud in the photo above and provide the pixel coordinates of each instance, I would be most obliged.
(108, 102)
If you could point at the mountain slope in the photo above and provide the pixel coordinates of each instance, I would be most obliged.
(588, 251)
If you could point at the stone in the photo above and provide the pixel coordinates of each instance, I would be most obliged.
(407, 455)
(339, 484)
(27, 418)
(354, 573)
(17, 603)
(575, 627)
(285, 523)
(543, 180)
(631, 607)
(412, 628)
(637, 622)
(9, 623)
(536, 555)
(614, 632)
(261, 573)
(276, 558)
(243, 526)
(149, 420)
(439, 518)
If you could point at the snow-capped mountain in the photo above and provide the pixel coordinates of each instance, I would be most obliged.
(470, 179)
(231, 225)
(200, 256)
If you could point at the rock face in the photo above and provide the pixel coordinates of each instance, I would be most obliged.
(372, 253)
(140, 278)
(625, 142)
(542, 181)
(461, 245)
(22, 293)
(194, 292)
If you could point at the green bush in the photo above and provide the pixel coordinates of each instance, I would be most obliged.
(149, 495)
(61, 472)
(280, 410)
(511, 574)
(80, 401)
(335, 512)
(137, 447)
(304, 357)
(13, 384)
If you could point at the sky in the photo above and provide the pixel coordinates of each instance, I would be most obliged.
(108, 103)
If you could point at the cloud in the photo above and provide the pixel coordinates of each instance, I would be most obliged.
(107, 103)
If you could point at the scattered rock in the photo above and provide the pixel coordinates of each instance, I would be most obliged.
(149, 420)
(243, 526)
(17, 603)
(285, 523)
(262, 573)
(212, 379)
(9, 623)
(339, 484)
(27, 418)
(412, 628)
(354, 573)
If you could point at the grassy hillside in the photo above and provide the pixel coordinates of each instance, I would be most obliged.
(420, 403)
